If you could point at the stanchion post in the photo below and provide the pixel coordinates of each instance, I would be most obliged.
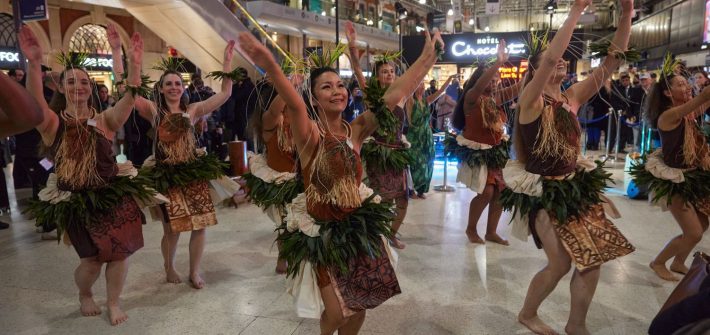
(445, 187)
(618, 136)
(610, 118)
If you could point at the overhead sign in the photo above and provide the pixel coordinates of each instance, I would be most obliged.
(467, 48)
(9, 58)
(33, 10)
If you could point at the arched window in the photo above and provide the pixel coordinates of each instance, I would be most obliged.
(8, 38)
(91, 39)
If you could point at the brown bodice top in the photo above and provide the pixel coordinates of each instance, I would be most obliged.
(77, 133)
(672, 142)
(475, 129)
(277, 157)
(336, 165)
(531, 137)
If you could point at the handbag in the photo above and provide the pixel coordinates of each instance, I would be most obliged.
(691, 282)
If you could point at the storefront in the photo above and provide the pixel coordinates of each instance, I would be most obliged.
(464, 50)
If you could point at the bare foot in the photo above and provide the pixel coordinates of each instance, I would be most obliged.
(196, 281)
(397, 243)
(172, 276)
(474, 238)
(661, 271)
(281, 266)
(116, 314)
(422, 196)
(536, 325)
(679, 268)
(88, 306)
(576, 330)
(496, 239)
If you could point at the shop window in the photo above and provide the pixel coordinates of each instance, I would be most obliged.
(90, 39)
(7, 31)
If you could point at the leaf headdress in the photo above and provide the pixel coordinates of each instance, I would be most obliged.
(169, 64)
(238, 74)
(538, 42)
(294, 65)
(72, 60)
(389, 57)
(603, 48)
(326, 58)
(669, 65)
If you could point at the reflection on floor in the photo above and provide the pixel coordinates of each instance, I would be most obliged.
(449, 286)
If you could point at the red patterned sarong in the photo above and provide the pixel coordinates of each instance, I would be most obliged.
(368, 283)
(592, 239)
(190, 207)
(118, 233)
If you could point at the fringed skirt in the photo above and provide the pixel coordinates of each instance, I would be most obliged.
(664, 182)
(271, 190)
(576, 209)
(479, 164)
(352, 255)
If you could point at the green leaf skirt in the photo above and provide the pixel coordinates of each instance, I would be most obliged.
(264, 194)
(339, 241)
(696, 186)
(564, 198)
(382, 158)
(495, 157)
(203, 168)
(83, 207)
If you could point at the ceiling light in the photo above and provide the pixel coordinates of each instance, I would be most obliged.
(486, 28)
(450, 12)
(471, 22)
(422, 2)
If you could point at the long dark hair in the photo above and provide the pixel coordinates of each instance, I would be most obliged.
(162, 104)
(520, 153)
(265, 96)
(657, 101)
(459, 119)
(59, 99)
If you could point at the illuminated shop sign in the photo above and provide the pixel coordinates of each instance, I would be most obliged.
(513, 72)
(467, 48)
(462, 48)
(10, 59)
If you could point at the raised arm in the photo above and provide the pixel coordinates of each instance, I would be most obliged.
(117, 115)
(19, 112)
(33, 52)
(530, 99)
(485, 80)
(114, 40)
(211, 104)
(584, 90)
(508, 93)
(351, 35)
(672, 117)
(408, 82)
(303, 128)
(432, 97)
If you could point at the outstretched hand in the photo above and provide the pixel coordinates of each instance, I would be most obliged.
(502, 55)
(254, 50)
(136, 51)
(229, 53)
(30, 45)
(114, 40)
(350, 33)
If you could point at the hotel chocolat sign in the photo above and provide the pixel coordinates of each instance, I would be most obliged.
(468, 47)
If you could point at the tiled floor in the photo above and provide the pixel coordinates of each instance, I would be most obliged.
(449, 286)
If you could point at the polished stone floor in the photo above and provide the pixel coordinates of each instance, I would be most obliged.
(449, 286)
